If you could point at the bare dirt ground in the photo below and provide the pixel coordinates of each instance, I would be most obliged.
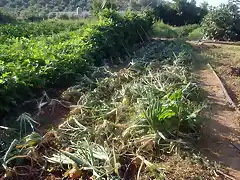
(220, 141)
(226, 61)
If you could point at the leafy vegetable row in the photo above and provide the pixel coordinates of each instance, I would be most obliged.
(36, 29)
(42, 61)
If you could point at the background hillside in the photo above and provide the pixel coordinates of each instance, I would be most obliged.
(42, 7)
(177, 12)
(56, 5)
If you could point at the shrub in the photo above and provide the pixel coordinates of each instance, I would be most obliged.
(52, 16)
(196, 34)
(160, 29)
(222, 23)
(64, 17)
(4, 17)
(184, 31)
(181, 12)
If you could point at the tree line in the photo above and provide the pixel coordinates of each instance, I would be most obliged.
(221, 22)
(177, 12)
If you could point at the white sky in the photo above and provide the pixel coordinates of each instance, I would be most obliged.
(213, 2)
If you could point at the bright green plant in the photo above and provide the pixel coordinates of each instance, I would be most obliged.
(160, 29)
(163, 115)
(172, 113)
(184, 31)
(196, 34)
(24, 29)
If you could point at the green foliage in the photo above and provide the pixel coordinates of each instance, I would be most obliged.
(44, 5)
(184, 31)
(160, 29)
(177, 12)
(4, 17)
(37, 62)
(196, 34)
(32, 14)
(64, 17)
(222, 23)
(98, 5)
(174, 112)
(27, 30)
(150, 101)
(180, 12)
(163, 115)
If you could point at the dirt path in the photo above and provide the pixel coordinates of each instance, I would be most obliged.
(221, 133)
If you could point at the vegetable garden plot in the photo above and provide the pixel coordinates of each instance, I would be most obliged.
(121, 127)
(41, 62)
(8, 32)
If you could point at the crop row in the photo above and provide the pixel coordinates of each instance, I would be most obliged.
(39, 62)
(34, 29)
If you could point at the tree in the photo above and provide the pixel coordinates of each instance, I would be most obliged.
(148, 3)
(180, 12)
(52, 15)
(99, 5)
(133, 5)
(50, 5)
(64, 17)
(5, 17)
(3, 3)
(222, 23)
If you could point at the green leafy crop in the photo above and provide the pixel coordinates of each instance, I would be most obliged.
(46, 28)
(30, 63)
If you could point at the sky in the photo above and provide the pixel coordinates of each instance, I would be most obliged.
(212, 2)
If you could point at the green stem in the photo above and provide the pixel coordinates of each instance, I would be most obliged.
(179, 121)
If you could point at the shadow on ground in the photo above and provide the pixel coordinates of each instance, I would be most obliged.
(220, 142)
(220, 133)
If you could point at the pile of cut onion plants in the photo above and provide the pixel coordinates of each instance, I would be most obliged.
(122, 123)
